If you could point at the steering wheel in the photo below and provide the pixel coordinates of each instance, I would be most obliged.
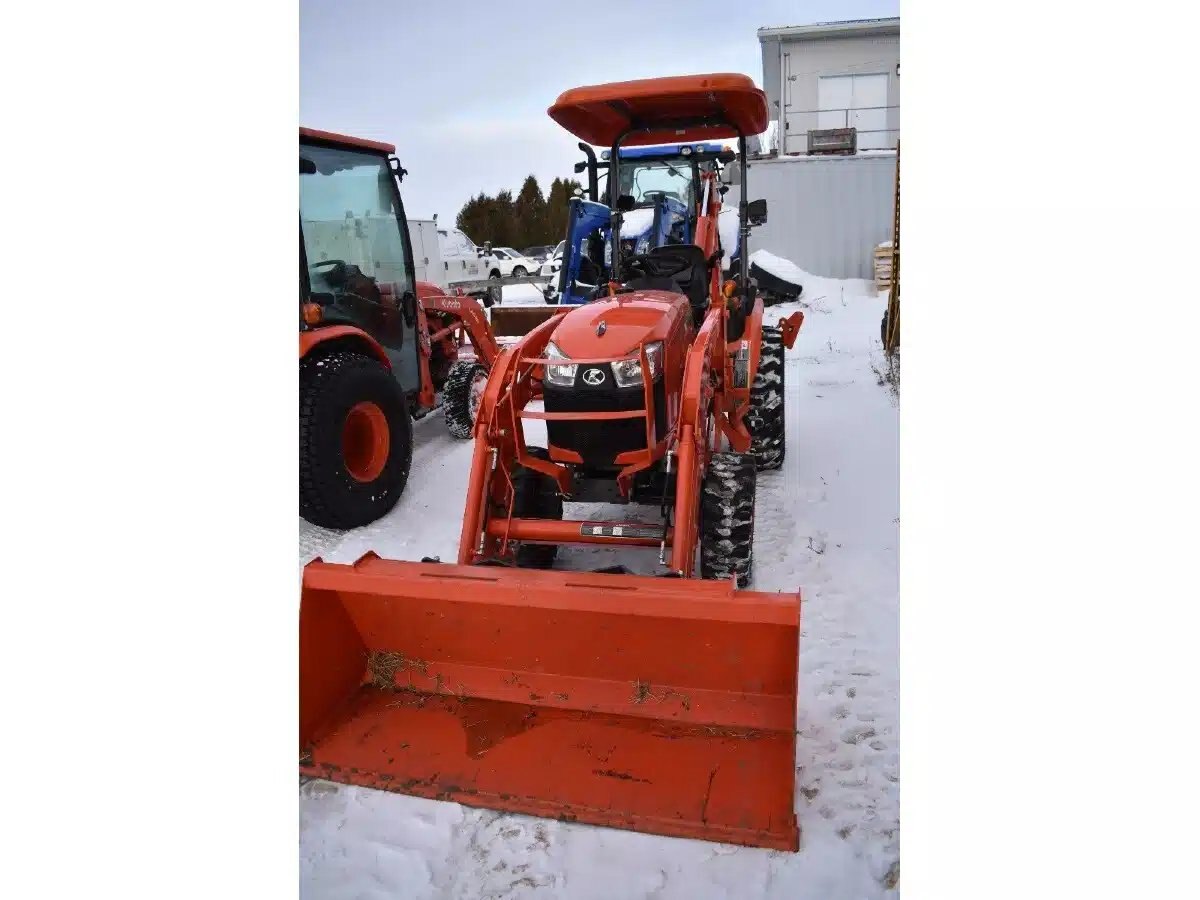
(336, 276)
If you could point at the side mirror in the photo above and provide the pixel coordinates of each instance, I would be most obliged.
(625, 203)
(727, 156)
(756, 212)
(580, 167)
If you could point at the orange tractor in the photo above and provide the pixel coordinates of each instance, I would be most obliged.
(663, 703)
(376, 346)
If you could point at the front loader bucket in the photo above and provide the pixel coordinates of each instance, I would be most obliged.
(518, 321)
(659, 705)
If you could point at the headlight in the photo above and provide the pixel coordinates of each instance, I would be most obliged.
(562, 376)
(628, 372)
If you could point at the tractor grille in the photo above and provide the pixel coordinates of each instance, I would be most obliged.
(602, 441)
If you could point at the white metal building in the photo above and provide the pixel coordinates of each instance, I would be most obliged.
(824, 213)
(833, 75)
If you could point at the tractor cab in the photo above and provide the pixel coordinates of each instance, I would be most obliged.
(670, 173)
(356, 265)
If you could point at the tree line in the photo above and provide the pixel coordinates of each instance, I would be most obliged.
(530, 220)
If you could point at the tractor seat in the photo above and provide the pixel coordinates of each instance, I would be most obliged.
(693, 281)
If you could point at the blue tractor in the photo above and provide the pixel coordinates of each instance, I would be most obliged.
(657, 205)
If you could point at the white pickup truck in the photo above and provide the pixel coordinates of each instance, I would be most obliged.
(444, 256)
(448, 258)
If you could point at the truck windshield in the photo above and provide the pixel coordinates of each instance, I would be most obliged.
(350, 224)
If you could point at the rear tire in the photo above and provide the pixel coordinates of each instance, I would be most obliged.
(458, 396)
(727, 518)
(536, 498)
(335, 390)
(765, 420)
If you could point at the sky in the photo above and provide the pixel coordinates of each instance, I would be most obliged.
(461, 88)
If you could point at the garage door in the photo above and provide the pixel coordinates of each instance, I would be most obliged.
(856, 101)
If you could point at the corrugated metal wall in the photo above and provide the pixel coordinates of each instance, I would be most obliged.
(826, 214)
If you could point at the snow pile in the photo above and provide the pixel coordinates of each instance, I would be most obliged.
(782, 268)
(637, 222)
(828, 523)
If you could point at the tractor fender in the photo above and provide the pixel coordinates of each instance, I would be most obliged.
(344, 337)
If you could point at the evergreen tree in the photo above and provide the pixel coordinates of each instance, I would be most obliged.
(529, 211)
(561, 192)
(528, 220)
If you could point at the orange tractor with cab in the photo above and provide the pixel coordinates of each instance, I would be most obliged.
(377, 347)
(661, 702)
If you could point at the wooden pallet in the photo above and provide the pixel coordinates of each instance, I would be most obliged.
(883, 266)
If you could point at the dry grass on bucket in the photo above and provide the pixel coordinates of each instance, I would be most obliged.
(385, 664)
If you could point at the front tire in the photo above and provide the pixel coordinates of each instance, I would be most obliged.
(519, 272)
(536, 497)
(765, 420)
(461, 393)
(356, 440)
(727, 518)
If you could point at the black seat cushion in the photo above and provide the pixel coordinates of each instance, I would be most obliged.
(693, 280)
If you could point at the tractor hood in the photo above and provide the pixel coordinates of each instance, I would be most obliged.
(629, 320)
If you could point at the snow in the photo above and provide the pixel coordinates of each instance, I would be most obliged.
(637, 222)
(780, 268)
(523, 295)
(827, 523)
(727, 228)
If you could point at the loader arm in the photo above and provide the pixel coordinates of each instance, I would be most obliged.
(692, 447)
(466, 314)
(499, 442)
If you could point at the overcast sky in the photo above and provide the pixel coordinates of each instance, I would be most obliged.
(461, 88)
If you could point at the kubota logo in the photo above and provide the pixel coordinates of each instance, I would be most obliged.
(593, 377)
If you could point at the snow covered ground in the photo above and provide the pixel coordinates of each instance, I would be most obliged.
(828, 522)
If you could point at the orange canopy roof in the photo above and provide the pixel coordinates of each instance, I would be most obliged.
(348, 140)
(669, 110)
